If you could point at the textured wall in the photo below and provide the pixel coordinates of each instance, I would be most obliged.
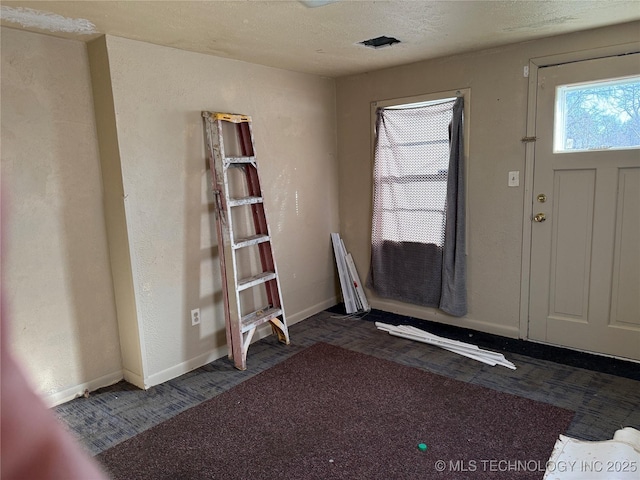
(158, 95)
(115, 214)
(55, 268)
(498, 115)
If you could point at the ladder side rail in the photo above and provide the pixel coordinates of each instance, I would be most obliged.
(213, 148)
(235, 308)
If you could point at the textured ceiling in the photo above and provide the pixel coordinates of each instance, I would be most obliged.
(322, 40)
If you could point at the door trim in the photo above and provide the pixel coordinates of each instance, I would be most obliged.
(527, 210)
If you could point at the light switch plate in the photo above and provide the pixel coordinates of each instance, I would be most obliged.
(514, 179)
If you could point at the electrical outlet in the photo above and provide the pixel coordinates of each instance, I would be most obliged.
(195, 317)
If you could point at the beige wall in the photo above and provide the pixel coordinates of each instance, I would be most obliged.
(158, 94)
(56, 279)
(498, 116)
(161, 247)
(115, 214)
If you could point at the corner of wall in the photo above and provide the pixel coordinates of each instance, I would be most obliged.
(131, 344)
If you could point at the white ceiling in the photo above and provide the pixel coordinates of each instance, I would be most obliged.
(322, 40)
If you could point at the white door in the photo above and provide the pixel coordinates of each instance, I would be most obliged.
(585, 240)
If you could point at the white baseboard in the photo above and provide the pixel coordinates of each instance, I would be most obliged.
(308, 312)
(185, 367)
(219, 352)
(434, 315)
(78, 390)
(133, 378)
(176, 370)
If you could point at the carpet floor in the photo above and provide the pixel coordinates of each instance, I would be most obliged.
(331, 413)
(603, 402)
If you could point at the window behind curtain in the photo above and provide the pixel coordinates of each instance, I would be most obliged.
(418, 238)
(410, 174)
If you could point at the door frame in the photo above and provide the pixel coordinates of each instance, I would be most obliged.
(527, 211)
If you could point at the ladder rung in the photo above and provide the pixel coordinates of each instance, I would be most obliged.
(239, 160)
(248, 241)
(258, 279)
(236, 202)
(259, 317)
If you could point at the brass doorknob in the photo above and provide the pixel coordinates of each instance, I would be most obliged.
(540, 217)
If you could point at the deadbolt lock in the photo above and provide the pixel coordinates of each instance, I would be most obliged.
(542, 198)
(539, 217)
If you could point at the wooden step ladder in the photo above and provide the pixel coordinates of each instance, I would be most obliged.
(243, 235)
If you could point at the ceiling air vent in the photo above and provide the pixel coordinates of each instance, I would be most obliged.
(380, 42)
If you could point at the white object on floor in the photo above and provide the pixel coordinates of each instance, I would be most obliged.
(461, 348)
(616, 459)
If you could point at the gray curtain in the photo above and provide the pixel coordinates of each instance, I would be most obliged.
(425, 273)
(453, 298)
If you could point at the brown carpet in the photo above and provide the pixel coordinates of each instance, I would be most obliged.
(331, 413)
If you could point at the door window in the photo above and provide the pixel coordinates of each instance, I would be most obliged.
(598, 116)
